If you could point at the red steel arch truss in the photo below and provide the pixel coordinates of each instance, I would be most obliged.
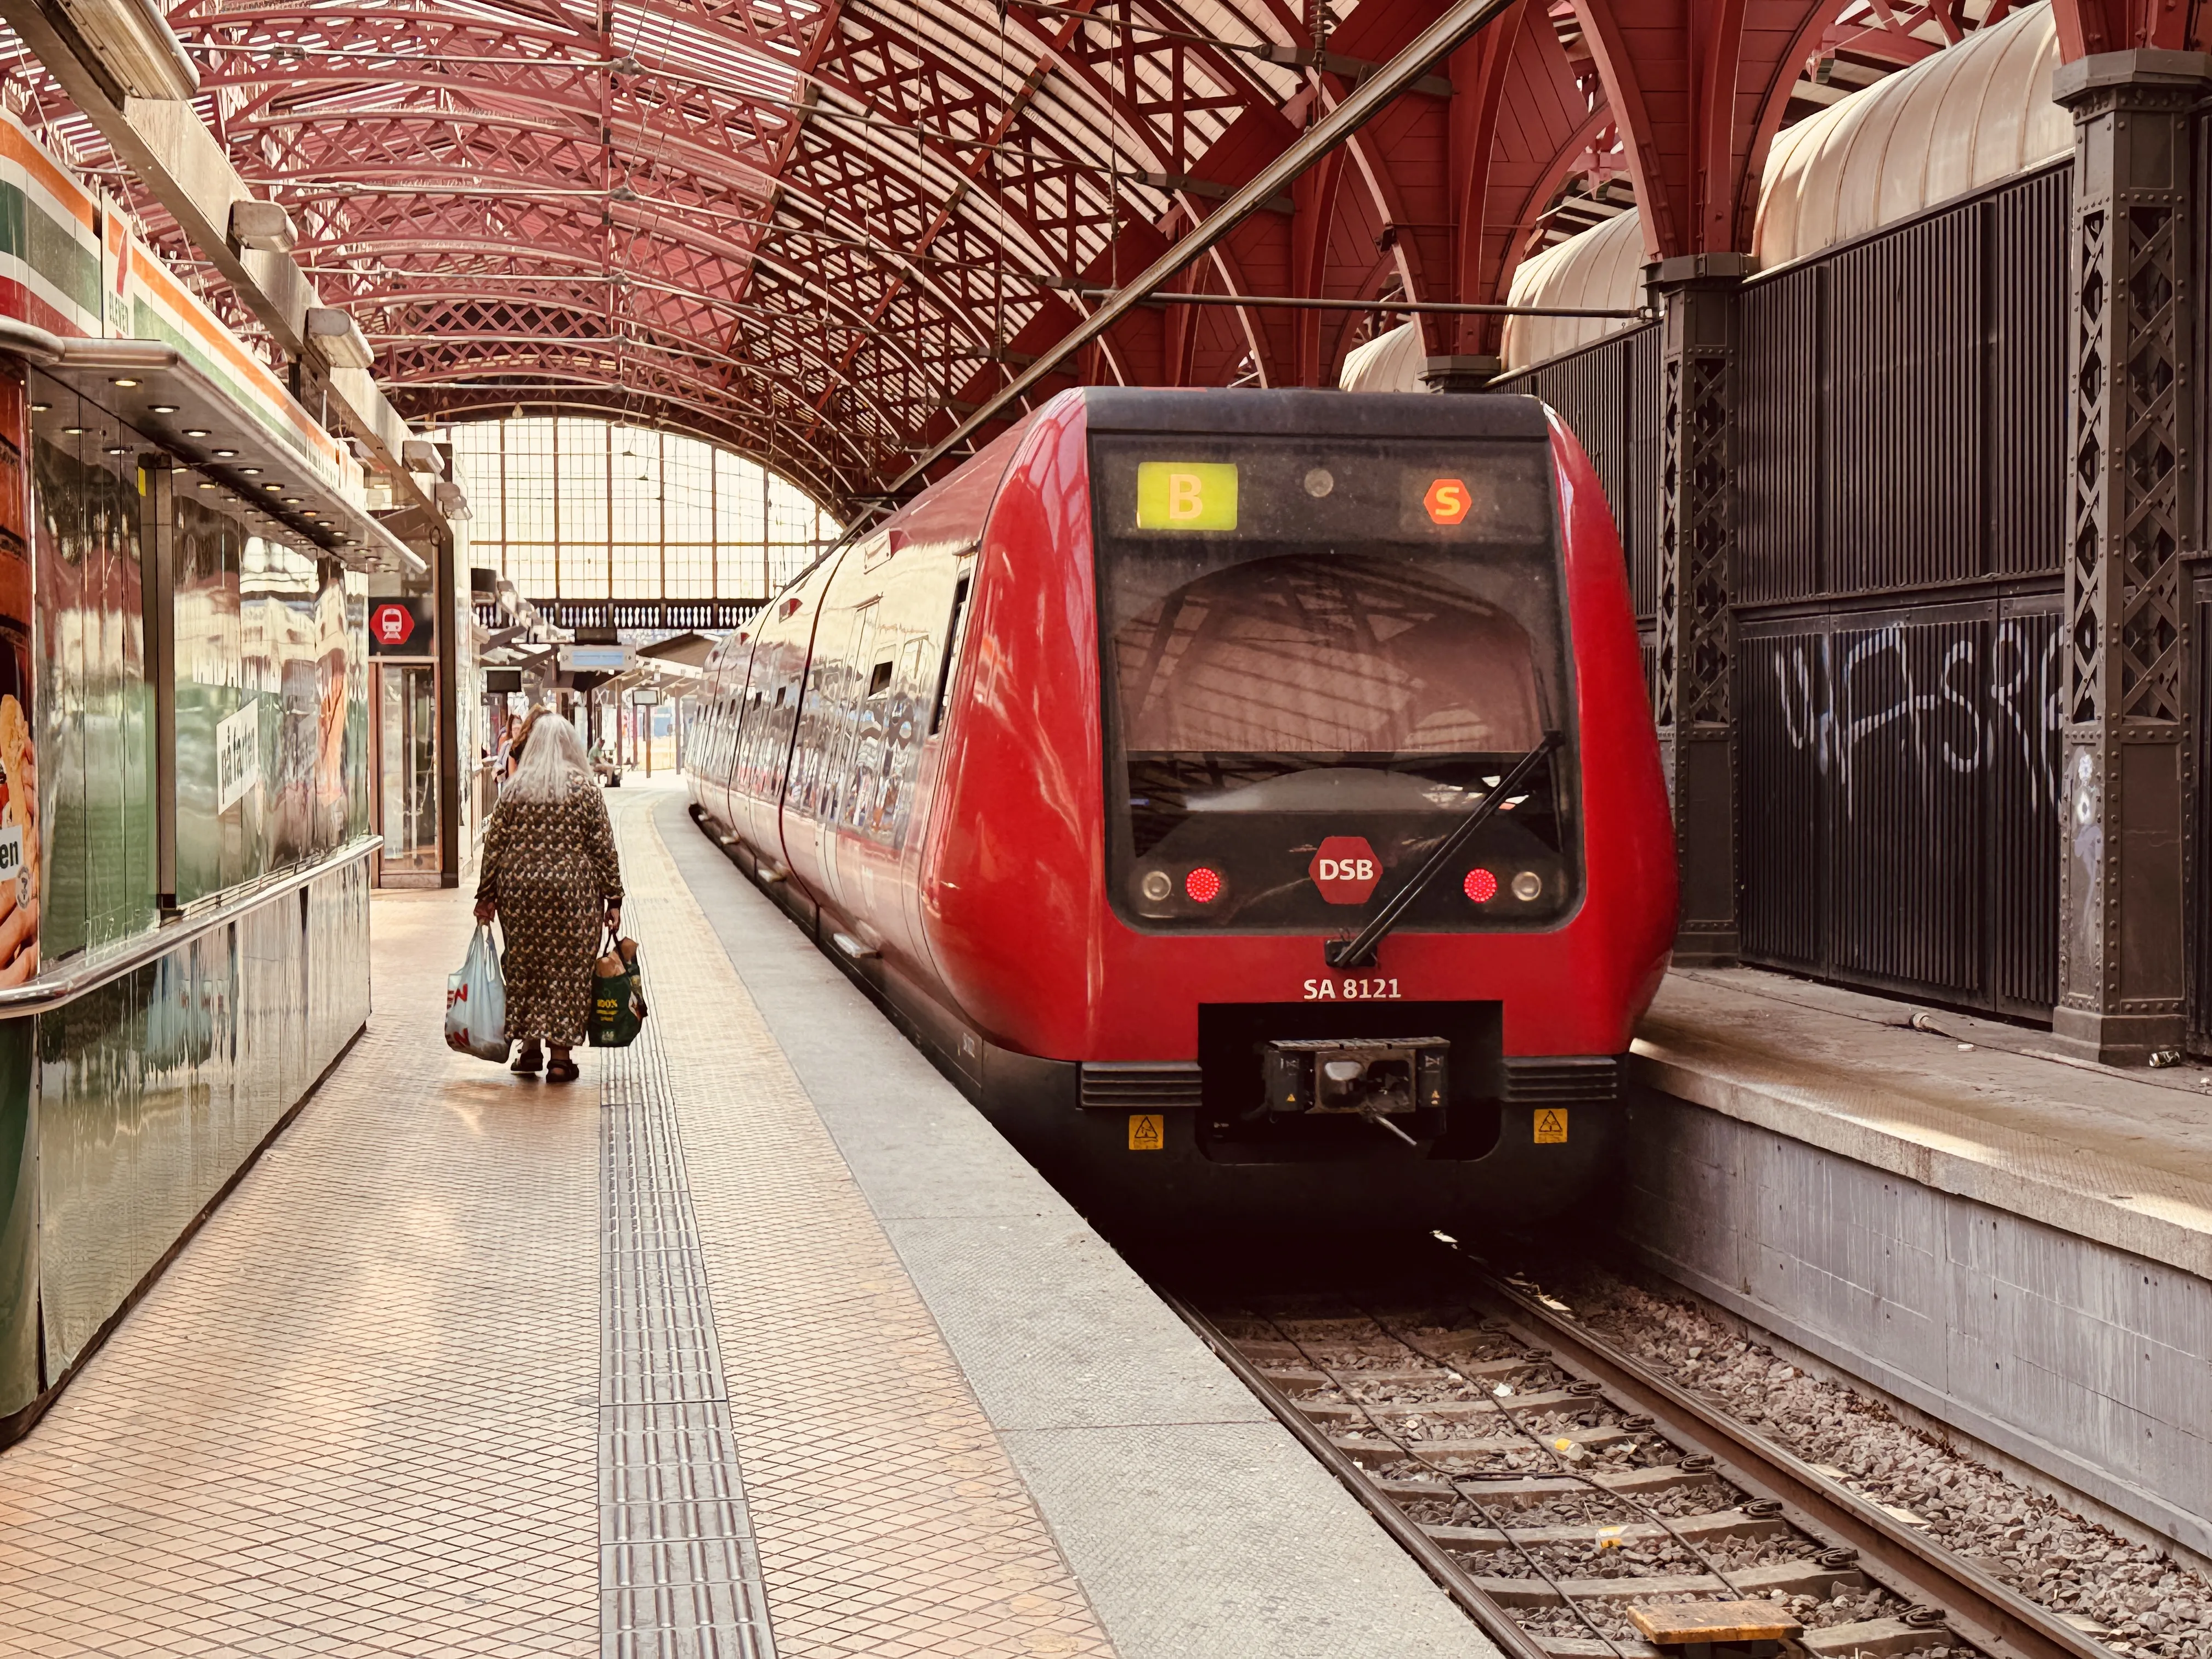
(821, 231)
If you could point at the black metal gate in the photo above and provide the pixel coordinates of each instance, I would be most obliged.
(1901, 409)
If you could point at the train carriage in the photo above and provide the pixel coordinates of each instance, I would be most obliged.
(1250, 798)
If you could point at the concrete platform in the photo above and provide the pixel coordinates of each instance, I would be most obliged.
(2014, 1241)
(755, 1341)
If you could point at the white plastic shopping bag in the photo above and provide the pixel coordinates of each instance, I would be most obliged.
(476, 1003)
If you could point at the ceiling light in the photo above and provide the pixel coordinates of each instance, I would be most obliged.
(165, 409)
(310, 512)
(40, 409)
(250, 472)
(195, 432)
(73, 431)
(123, 380)
(118, 450)
(207, 486)
(290, 500)
(219, 454)
(272, 488)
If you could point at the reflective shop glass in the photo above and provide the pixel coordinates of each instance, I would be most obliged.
(272, 700)
(94, 708)
(1324, 638)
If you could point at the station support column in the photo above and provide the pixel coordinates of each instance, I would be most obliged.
(2123, 930)
(1692, 694)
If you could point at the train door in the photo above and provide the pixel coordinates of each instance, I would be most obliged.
(875, 821)
(828, 730)
(770, 733)
(947, 644)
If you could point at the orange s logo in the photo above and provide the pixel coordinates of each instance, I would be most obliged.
(1448, 500)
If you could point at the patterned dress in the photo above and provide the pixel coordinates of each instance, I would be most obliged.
(550, 868)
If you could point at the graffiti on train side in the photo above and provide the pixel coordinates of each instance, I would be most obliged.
(1933, 700)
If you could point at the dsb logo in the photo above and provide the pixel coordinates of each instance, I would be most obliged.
(1346, 870)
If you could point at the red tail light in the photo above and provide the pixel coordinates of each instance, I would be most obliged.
(1480, 885)
(1204, 886)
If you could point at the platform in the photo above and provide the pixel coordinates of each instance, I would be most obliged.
(756, 1340)
(2016, 1241)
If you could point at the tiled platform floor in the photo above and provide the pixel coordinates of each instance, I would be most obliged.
(362, 1412)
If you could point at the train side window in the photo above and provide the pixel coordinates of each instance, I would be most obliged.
(953, 631)
(879, 678)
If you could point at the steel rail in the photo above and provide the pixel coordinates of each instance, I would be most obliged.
(1462, 19)
(1495, 1622)
(1980, 1609)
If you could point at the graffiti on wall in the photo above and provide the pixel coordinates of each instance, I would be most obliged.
(1958, 708)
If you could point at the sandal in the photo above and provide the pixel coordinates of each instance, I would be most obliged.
(527, 1060)
(563, 1071)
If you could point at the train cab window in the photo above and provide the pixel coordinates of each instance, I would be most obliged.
(1352, 646)
(880, 679)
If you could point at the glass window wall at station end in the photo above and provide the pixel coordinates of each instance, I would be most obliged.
(579, 507)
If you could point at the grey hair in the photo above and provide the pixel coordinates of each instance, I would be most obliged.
(552, 760)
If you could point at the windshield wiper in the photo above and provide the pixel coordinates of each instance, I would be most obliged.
(1358, 951)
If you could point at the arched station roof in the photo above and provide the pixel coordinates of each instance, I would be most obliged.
(825, 232)
(1956, 121)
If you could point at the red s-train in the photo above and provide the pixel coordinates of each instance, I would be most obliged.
(1092, 761)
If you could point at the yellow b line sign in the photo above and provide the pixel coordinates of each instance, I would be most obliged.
(1186, 495)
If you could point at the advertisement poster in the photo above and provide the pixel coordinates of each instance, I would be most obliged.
(20, 851)
(238, 756)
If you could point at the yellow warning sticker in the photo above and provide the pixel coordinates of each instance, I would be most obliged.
(1145, 1133)
(1551, 1127)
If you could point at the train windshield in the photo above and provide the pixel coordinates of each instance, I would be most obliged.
(1318, 655)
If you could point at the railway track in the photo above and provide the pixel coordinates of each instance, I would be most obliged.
(1559, 1490)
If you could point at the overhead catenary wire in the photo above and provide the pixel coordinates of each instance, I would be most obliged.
(1455, 25)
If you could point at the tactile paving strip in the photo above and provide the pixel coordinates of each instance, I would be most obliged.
(678, 1574)
(891, 1523)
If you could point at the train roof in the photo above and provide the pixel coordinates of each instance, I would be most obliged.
(1294, 411)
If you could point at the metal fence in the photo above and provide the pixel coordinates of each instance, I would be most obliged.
(1901, 424)
(711, 614)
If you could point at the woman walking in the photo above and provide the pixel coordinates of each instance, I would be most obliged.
(551, 877)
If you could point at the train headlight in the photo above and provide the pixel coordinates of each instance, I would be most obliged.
(1202, 885)
(1527, 885)
(1480, 885)
(1157, 885)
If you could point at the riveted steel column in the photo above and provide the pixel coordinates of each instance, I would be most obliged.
(1698, 516)
(2122, 974)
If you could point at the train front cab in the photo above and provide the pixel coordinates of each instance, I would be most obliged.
(1334, 656)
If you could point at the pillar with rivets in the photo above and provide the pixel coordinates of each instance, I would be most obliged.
(2122, 930)
(1697, 298)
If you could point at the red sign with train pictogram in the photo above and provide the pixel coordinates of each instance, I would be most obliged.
(392, 624)
(402, 628)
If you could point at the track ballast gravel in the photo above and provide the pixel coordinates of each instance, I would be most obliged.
(2150, 1604)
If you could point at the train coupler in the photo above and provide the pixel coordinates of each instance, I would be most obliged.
(1373, 1078)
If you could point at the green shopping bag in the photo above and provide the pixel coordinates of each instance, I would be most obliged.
(618, 996)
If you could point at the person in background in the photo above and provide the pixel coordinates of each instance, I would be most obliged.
(552, 878)
(503, 762)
